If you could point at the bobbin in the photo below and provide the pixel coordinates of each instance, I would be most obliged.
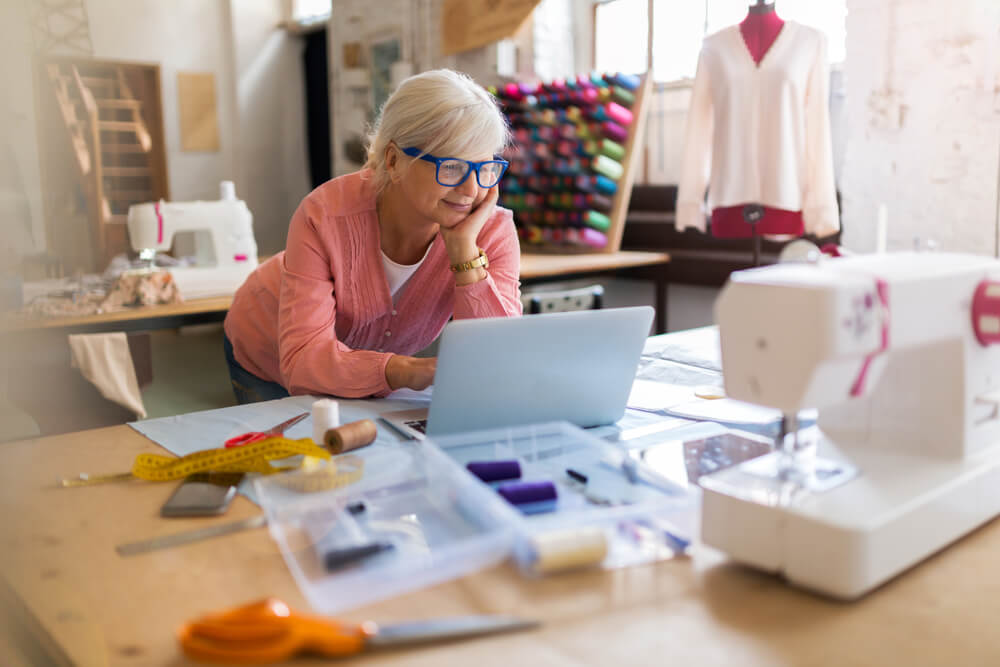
(353, 435)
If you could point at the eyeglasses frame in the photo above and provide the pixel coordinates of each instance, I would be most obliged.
(473, 167)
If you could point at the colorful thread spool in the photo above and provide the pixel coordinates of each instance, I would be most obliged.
(554, 235)
(512, 91)
(614, 131)
(596, 220)
(612, 149)
(593, 238)
(622, 96)
(604, 165)
(492, 471)
(597, 202)
(596, 183)
(627, 81)
(528, 88)
(533, 234)
(618, 114)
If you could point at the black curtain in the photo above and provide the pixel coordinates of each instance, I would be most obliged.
(317, 107)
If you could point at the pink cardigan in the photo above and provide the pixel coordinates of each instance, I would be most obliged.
(318, 318)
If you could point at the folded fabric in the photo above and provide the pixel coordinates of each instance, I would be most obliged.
(105, 361)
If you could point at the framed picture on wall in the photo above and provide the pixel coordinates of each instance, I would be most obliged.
(385, 48)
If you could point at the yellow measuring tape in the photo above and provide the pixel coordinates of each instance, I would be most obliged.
(316, 475)
(255, 457)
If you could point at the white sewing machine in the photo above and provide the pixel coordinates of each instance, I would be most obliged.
(224, 248)
(896, 351)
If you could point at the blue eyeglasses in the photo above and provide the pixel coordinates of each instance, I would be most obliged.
(452, 171)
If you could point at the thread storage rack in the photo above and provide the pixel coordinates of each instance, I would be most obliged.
(573, 160)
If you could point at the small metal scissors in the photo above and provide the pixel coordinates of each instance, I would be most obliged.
(257, 436)
(268, 631)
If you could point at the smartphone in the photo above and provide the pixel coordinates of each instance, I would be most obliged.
(202, 494)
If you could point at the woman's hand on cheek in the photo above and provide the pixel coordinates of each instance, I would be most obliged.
(461, 240)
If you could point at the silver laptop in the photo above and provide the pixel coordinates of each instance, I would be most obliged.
(496, 372)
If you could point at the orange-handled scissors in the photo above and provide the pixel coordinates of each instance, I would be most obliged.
(257, 436)
(268, 631)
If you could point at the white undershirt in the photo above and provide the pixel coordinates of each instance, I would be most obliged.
(396, 275)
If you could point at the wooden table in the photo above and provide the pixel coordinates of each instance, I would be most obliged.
(70, 598)
(144, 318)
(537, 268)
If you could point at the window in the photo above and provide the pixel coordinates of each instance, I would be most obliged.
(620, 29)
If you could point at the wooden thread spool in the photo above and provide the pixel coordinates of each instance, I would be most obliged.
(569, 549)
(350, 436)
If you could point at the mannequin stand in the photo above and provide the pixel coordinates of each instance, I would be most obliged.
(752, 214)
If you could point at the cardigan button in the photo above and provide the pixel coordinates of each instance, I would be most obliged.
(388, 333)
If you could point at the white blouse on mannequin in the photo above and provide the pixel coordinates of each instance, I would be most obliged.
(760, 133)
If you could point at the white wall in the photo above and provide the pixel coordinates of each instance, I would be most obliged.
(923, 113)
(259, 98)
(22, 228)
(272, 173)
(180, 36)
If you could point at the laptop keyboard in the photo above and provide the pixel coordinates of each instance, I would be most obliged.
(418, 425)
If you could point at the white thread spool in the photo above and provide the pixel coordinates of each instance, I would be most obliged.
(567, 549)
(325, 415)
(882, 229)
(227, 191)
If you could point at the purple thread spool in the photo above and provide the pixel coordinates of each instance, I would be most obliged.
(519, 493)
(593, 238)
(491, 471)
(527, 88)
(614, 131)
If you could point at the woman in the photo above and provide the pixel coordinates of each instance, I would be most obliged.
(377, 261)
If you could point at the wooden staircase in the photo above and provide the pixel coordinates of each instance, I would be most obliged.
(117, 162)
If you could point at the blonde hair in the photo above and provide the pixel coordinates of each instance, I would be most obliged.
(442, 112)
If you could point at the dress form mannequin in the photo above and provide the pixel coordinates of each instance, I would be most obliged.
(758, 156)
(759, 30)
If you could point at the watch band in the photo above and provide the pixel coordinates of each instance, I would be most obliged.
(481, 260)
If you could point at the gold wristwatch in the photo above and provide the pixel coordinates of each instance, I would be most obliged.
(481, 260)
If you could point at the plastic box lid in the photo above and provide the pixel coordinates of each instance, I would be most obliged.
(616, 517)
(441, 524)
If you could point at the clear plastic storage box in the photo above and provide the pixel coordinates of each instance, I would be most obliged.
(360, 529)
(610, 509)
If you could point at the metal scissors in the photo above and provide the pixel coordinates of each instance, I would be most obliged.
(268, 631)
(257, 436)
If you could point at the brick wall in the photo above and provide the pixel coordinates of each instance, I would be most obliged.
(923, 116)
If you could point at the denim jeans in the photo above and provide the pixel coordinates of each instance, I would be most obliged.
(248, 387)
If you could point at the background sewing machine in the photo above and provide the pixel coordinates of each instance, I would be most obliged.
(896, 353)
(219, 235)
